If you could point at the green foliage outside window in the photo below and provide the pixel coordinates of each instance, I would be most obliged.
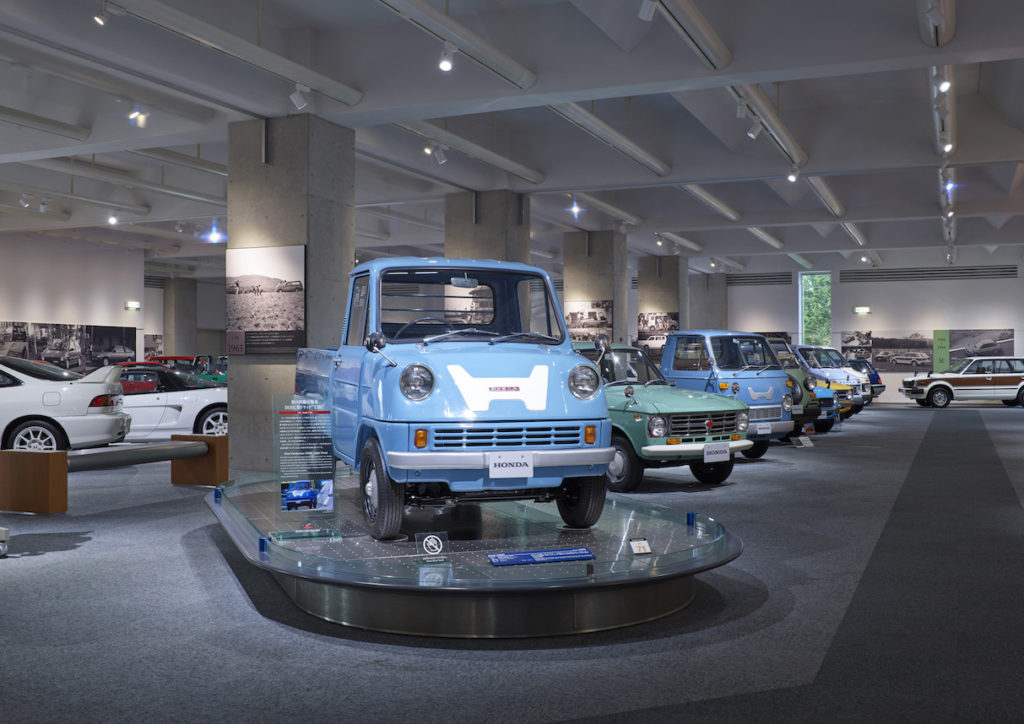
(816, 308)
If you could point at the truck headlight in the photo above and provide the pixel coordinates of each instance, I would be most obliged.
(584, 382)
(416, 382)
(656, 426)
(742, 421)
(810, 383)
(787, 403)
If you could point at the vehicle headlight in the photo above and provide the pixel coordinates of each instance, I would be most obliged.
(787, 403)
(657, 426)
(742, 421)
(809, 383)
(416, 382)
(584, 382)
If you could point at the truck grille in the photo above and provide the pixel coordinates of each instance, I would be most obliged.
(696, 425)
(827, 402)
(766, 412)
(498, 436)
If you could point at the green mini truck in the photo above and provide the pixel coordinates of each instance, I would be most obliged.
(657, 425)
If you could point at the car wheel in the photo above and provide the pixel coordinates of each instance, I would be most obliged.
(711, 473)
(625, 471)
(868, 401)
(823, 426)
(105, 362)
(939, 397)
(759, 449)
(383, 498)
(213, 422)
(1020, 397)
(922, 403)
(581, 500)
(290, 506)
(36, 435)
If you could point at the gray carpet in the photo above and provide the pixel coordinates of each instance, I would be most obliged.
(879, 583)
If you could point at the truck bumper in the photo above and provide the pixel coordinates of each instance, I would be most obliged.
(877, 390)
(429, 460)
(756, 430)
(689, 449)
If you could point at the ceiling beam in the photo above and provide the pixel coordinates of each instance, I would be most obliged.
(41, 123)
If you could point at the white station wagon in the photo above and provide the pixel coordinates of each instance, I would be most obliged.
(973, 378)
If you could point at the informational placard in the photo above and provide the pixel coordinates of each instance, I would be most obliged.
(640, 546)
(551, 556)
(266, 299)
(763, 428)
(716, 452)
(302, 427)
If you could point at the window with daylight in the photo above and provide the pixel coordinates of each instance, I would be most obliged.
(816, 308)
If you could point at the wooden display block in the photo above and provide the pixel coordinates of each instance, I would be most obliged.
(210, 469)
(34, 482)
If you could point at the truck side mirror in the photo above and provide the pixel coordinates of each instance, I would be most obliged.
(375, 342)
(601, 344)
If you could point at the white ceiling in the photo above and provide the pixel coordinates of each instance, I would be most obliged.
(849, 83)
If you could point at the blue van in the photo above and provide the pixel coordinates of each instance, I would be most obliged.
(739, 364)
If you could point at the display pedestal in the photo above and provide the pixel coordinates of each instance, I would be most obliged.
(34, 482)
(333, 569)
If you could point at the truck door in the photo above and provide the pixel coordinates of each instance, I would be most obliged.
(687, 362)
(345, 375)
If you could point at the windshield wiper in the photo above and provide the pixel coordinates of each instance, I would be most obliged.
(454, 332)
(655, 381)
(521, 335)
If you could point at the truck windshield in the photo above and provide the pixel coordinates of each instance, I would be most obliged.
(785, 355)
(434, 305)
(626, 366)
(837, 359)
(743, 352)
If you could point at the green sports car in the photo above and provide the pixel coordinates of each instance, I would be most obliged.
(657, 425)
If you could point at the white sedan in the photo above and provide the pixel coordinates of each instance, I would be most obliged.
(165, 402)
(43, 407)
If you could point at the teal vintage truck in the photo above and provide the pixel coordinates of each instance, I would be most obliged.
(657, 425)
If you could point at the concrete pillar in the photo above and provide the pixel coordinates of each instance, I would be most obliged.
(180, 316)
(487, 225)
(291, 182)
(657, 294)
(594, 270)
(709, 303)
(683, 293)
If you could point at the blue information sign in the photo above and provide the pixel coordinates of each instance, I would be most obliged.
(552, 556)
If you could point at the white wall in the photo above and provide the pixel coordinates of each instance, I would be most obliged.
(895, 306)
(210, 305)
(56, 281)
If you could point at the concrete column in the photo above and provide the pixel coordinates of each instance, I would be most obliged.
(683, 293)
(180, 316)
(291, 182)
(594, 270)
(658, 287)
(487, 225)
(709, 303)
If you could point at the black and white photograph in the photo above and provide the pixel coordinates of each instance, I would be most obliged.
(979, 343)
(586, 320)
(652, 327)
(153, 345)
(855, 338)
(14, 339)
(266, 300)
(902, 351)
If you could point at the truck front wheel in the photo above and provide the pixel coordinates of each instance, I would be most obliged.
(581, 500)
(625, 470)
(383, 498)
(711, 473)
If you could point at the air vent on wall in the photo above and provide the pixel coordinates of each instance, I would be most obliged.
(747, 280)
(1001, 271)
(634, 283)
(153, 282)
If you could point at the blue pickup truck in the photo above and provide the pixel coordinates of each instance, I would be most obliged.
(740, 364)
(455, 382)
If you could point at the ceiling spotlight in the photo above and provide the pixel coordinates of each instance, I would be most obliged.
(101, 16)
(713, 264)
(447, 53)
(112, 219)
(138, 116)
(794, 174)
(179, 227)
(23, 201)
(944, 86)
(741, 109)
(864, 259)
(575, 209)
(428, 149)
(43, 206)
(949, 213)
(755, 129)
(299, 97)
(948, 147)
(440, 157)
(215, 235)
(647, 9)
(657, 239)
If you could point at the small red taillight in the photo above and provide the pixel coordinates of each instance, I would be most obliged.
(103, 401)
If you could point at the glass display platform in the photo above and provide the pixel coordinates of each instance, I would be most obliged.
(333, 569)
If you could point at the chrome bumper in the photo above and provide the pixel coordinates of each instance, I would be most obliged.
(429, 460)
(780, 426)
(914, 393)
(690, 449)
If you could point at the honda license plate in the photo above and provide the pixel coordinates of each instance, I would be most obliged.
(510, 464)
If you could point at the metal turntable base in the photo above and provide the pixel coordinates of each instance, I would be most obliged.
(333, 569)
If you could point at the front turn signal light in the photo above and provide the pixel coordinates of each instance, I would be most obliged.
(420, 438)
(590, 434)
(723, 385)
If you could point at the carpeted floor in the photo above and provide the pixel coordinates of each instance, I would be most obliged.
(879, 582)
